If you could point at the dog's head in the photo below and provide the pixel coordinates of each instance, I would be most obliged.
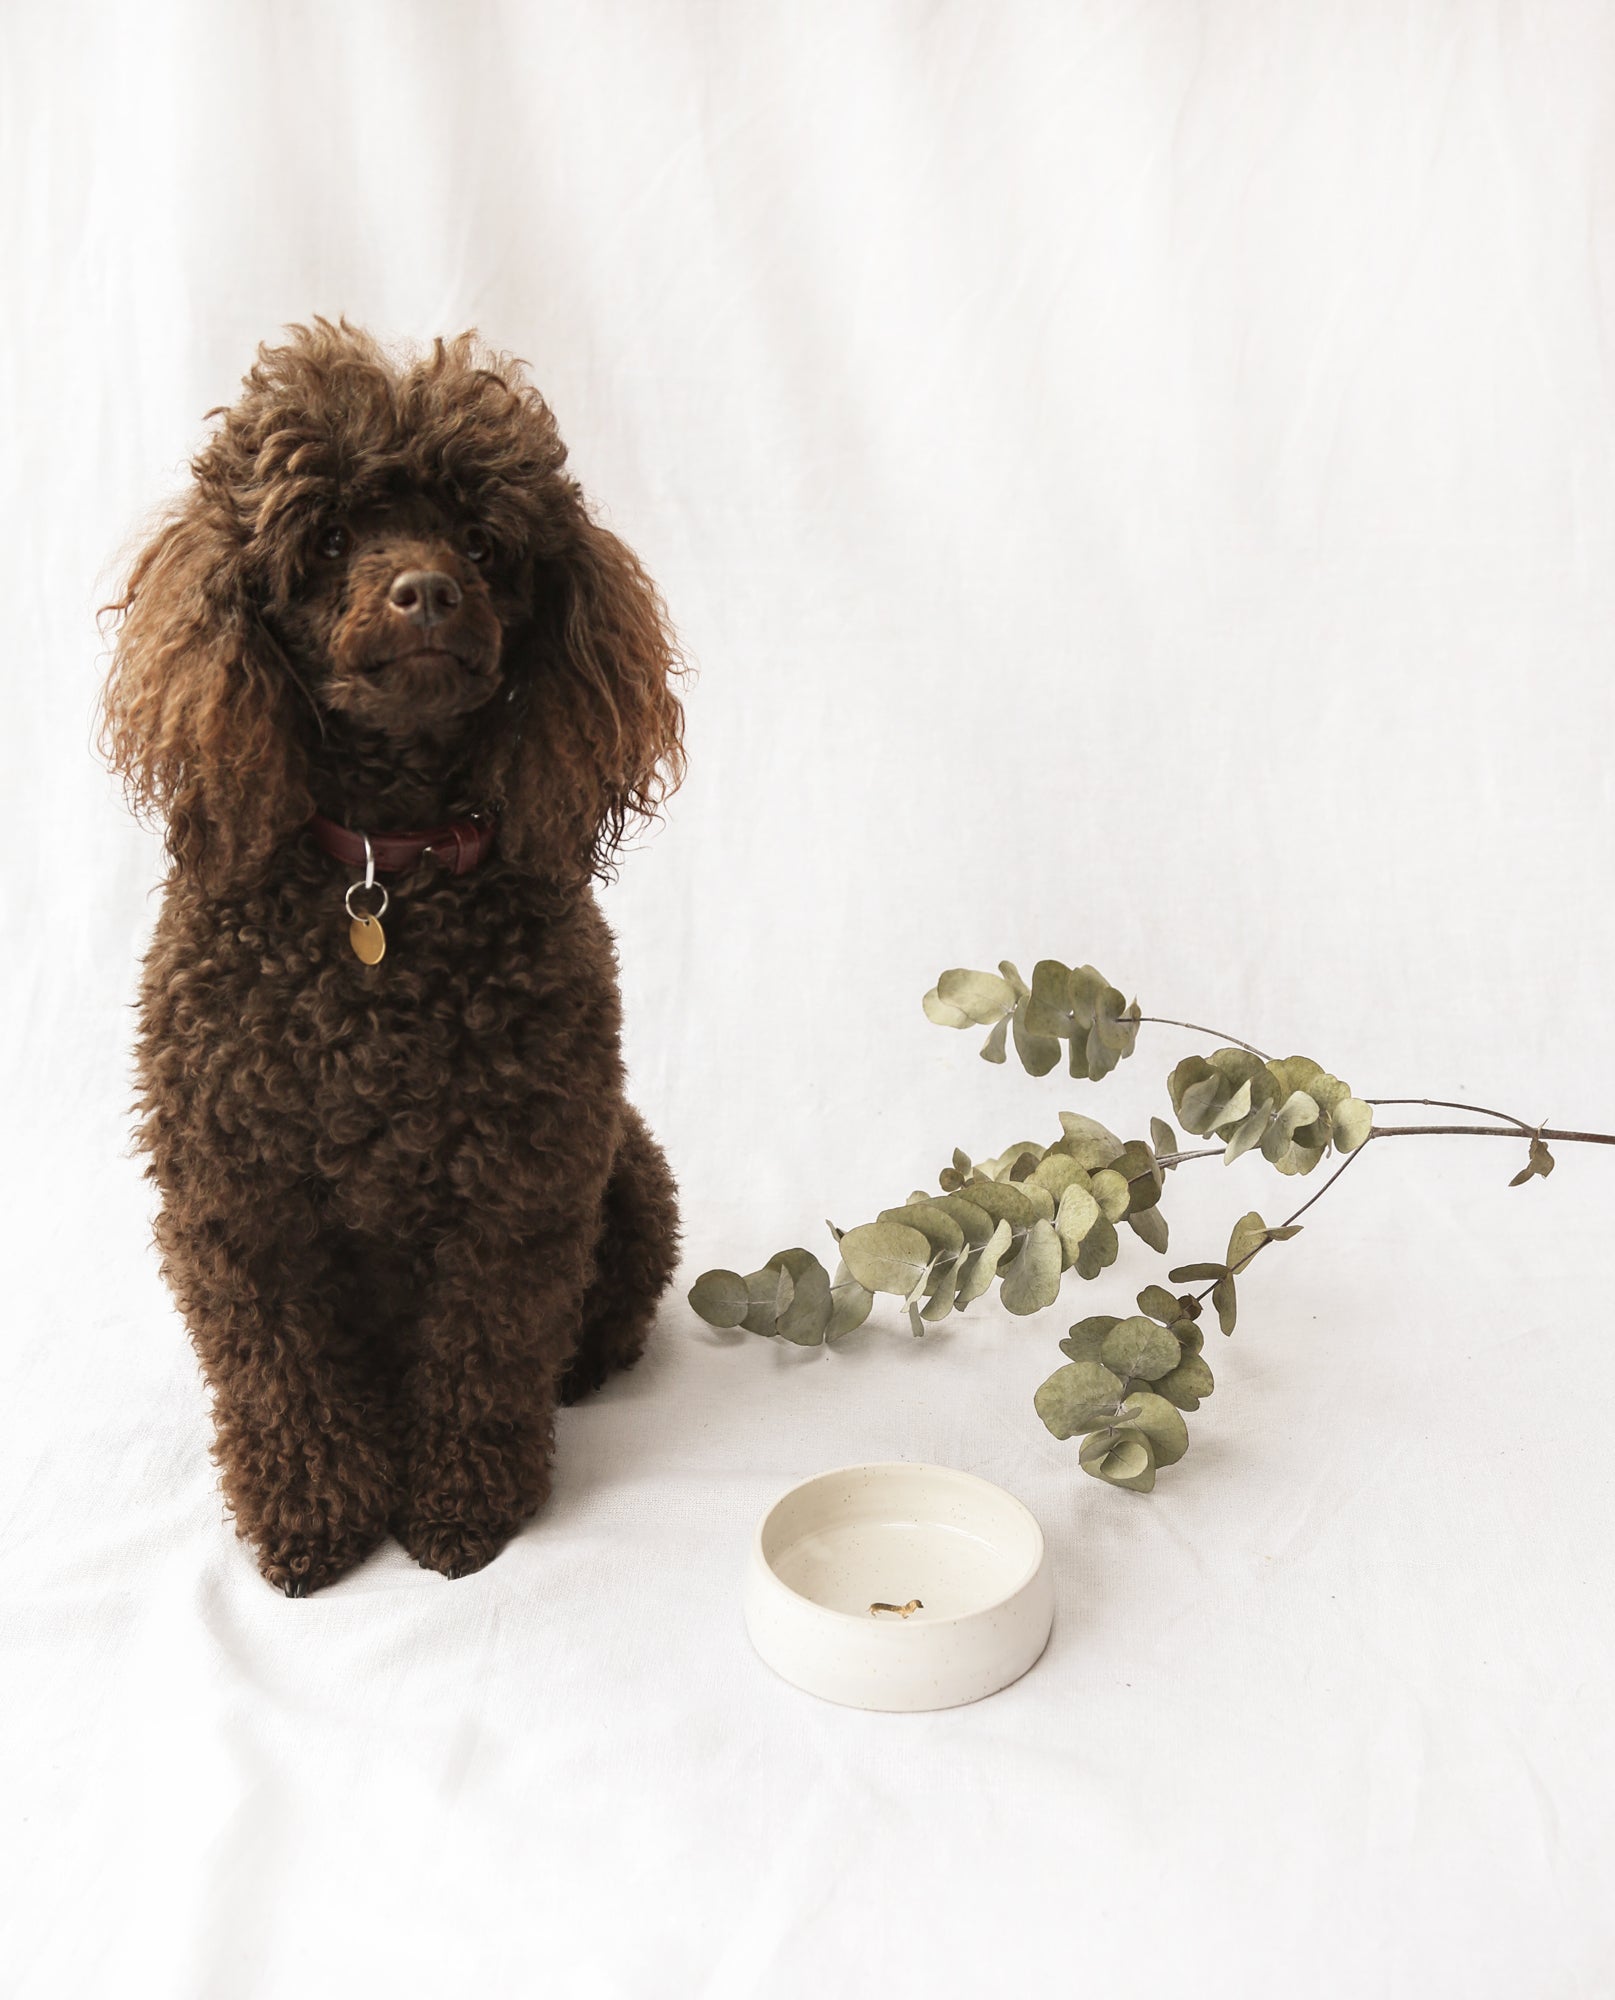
(392, 551)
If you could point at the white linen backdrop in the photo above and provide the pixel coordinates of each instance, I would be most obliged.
(1135, 480)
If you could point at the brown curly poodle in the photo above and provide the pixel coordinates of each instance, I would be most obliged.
(406, 1208)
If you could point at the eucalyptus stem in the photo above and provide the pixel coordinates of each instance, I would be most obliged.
(1494, 1132)
(1450, 1104)
(1350, 1160)
(1194, 1027)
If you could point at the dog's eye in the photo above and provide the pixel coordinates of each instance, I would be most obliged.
(335, 541)
(478, 544)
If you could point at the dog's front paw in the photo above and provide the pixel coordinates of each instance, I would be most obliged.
(299, 1565)
(452, 1548)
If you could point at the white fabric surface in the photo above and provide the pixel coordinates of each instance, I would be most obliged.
(1136, 481)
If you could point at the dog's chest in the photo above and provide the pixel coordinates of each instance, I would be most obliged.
(389, 1082)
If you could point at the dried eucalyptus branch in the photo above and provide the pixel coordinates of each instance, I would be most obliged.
(1026, 1216)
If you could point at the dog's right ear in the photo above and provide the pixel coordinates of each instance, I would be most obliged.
(196, 712)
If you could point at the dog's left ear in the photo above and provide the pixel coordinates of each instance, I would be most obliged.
(598, 741)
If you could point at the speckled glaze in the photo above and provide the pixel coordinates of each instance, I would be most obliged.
(830, 1547)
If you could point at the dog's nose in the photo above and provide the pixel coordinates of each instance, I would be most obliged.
(423, 596)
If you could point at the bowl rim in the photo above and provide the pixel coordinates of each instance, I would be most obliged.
(866, 1624)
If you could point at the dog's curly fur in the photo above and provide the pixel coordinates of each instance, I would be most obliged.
(405, 1208)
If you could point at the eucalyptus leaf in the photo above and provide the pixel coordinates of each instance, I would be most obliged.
(1149, 1225)
(1237, 1109)
(981, 1266)
(770, 1290)
(798, 1262)
(1003, 1202)
(1115, 1018)
(1032, 1280)
(1057, 1172)
(1040, 1198)
(1248, 1235)
(1196, 1090)
(922, 1284)
(1003, 1165)
(1076, 1215)
(722, 1298)
(1111, 1192)
(1225, 1300)
(932, 1220)
(886, 1256)
(1187, 1333)
(982, 997)
(1189, 1274)
(1120, 1458)
(1237, 1066)
(1539, 1161)
(1199, 1105)
(1278, 1142)
(1140, 1349)
(1087, 1337)
(1160, 1422)
(1138, 1166)
(1249, 1132)
(1293, 1073)
(850, 1304)
(1077, 1397)
(943, 1288)
(1084, 987)
(1163, 1139)
(1187, 1385)
(1099, 1248)
(1217, 1093)
(1102, 1055)
(1038, 1053)
(938, 1010)
(1159, 1303)
(1049, 1011)
(975, 1223)
(1351, 1123)
(806, 1319)
(992, 1050)
(1113, 1029)
(1088, 1142)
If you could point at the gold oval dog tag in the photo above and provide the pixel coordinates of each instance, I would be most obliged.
(368, 939)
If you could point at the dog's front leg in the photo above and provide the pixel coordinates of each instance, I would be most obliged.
(500, 1318)
(301, 1438)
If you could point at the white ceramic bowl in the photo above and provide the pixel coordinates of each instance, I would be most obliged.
(889, 1534)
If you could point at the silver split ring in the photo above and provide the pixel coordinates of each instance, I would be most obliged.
(369, 882)
(367, 916)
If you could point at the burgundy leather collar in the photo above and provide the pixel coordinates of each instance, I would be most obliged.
(459, 845)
